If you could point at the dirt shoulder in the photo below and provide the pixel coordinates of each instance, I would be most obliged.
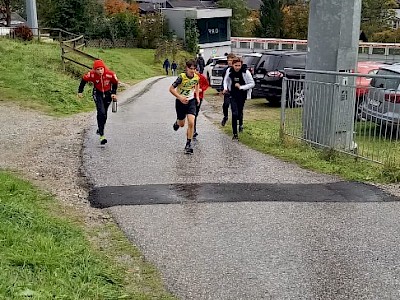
(47, 151)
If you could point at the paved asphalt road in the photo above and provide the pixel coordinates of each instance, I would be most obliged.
(230, 223)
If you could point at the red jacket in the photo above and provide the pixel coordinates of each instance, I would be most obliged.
(203, 85)
(108, 81)
(101, 83)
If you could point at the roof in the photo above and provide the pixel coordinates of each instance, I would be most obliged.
(191, 3)
(255, 54)
(364, 67)
(143, 4)
(394, 68)
(16, 20)
(254, 4)
(147, 7)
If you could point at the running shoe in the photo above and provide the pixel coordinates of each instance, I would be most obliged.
(223, 122)
(188, 149)
(103, 140)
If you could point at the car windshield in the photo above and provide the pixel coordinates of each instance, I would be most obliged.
(386, 83)
(250, 60)
(267, 62)
(293, 61)
(221, 62)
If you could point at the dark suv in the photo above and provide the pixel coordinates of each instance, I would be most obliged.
(269, 72)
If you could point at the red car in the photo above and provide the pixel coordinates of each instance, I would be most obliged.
(362, 83)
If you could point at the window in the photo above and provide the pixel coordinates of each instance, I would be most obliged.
(386, 83)
(294, 61)
(213, 30)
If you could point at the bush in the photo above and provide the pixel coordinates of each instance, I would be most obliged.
(23, 32)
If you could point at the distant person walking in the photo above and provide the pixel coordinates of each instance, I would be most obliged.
(200, 63)
(174, 66)
(105, 84)
(166, 66)
(239, 82)
(203, 86)
(186, 90)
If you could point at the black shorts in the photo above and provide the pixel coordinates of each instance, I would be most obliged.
(185, 109)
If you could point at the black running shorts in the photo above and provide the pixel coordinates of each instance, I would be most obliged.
(185, 109)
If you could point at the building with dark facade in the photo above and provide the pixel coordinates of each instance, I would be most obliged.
(213, 25)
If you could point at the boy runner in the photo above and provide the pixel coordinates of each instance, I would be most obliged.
(105, 84)
(227, 97)
(186, 90)
(239, 82)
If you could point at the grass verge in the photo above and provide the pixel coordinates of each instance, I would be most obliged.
(32, 75)
(45, 256)
(261, 133)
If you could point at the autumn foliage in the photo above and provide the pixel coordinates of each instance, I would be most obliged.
(113, 7)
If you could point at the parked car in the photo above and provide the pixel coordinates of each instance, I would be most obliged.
(210, 65)
(382, 99)
(362, 83)
(216, 74)
(269, 73)
(251, 60)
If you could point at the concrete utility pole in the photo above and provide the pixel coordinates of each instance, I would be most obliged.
(32, 16)
(333, 38)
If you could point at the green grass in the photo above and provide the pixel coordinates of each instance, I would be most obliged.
(130, 65)
(261, 133)
(32, 75)
(48, 257)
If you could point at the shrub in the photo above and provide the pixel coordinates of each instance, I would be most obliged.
(23, 32)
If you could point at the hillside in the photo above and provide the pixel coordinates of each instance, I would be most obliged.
(31, 74)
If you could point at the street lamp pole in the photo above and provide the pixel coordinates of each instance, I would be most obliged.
(31, 14)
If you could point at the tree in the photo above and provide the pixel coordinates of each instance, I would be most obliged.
(240, 15)
(191, 36)
(377, 16)
(125, 26)
(115, 6)
(7, 7)
(153, 27)
(72, 15)
(271, 19)
(295, 20)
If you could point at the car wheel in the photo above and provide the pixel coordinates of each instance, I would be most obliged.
(297, 99)
(389, 132)
(274, 101)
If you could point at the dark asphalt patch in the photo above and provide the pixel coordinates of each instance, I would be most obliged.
(103, 197)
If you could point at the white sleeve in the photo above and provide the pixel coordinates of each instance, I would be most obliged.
(227, 80)
(248, 79)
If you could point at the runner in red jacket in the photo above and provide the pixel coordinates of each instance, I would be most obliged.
(203, 86)
(105, 84)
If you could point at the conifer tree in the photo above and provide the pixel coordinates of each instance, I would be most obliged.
(271, 19)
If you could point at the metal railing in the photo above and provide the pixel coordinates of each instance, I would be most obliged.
(337, 110)
(379, 51)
